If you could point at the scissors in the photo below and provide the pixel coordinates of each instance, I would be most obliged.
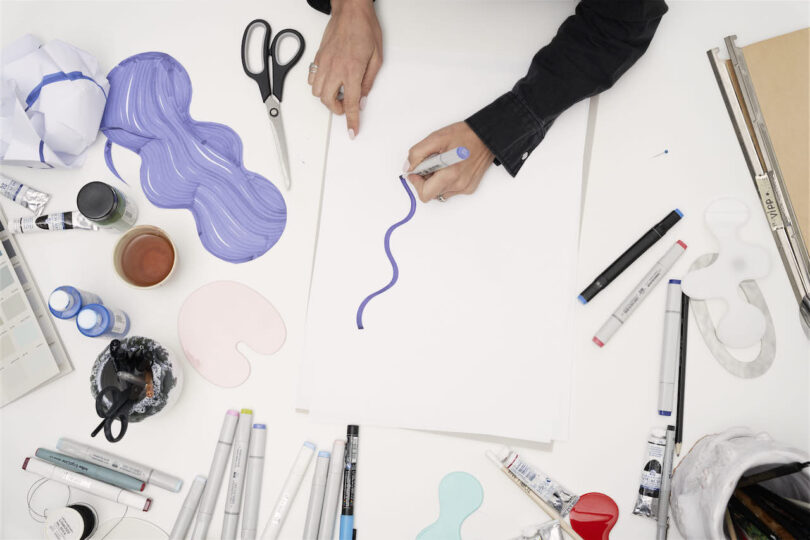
(271, 81)
(113, 404)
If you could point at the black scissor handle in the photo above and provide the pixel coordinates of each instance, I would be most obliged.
(117, 410)
(280, 70)
(262, 77)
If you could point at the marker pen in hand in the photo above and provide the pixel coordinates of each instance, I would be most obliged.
(437, 162)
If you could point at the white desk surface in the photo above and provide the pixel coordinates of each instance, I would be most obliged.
(669, 100)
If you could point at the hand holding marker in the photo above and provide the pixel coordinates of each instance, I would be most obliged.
(437, 162)
(428, 166)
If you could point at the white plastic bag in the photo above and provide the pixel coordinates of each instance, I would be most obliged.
(704, 480)
(52, 97)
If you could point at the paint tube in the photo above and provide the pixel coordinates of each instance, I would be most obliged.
(550, 530)
(545, 487)
(25, 196)
(52, 222)
(649, 490)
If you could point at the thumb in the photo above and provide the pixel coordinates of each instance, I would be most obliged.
(435, 143)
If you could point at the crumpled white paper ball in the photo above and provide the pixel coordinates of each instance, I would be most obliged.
(52, 98)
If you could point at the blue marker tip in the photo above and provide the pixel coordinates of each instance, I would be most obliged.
(462, 152)
(676, 281)
(324, 453)
(309, 445)
(259, 426)
(679, 212)
(582, 299)
(665, 413)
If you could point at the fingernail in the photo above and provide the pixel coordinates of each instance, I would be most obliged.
(363, 101)
(406, 166)
(351, 134)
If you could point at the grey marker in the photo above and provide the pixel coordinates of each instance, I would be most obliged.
(92, 470)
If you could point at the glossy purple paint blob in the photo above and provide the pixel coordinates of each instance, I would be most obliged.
(190, 164)
(387, 247)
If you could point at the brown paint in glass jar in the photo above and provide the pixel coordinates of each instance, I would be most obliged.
(147, 259)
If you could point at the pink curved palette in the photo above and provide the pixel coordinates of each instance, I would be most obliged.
(218, 316)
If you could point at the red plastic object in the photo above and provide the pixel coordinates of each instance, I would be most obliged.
(594, 516)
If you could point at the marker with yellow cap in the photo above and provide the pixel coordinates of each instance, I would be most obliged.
(233, 497)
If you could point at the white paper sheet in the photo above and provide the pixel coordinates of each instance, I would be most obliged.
(475, 336)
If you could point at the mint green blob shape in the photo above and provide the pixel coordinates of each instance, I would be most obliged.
(460, 494)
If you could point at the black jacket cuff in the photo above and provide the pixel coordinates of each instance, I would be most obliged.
(509, 129)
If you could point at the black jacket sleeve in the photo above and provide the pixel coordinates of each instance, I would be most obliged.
(591, 50)
(324, 6)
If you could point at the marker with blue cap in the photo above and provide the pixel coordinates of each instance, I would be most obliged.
(440, 161)
(272, 530)
(316, 496)
(630, 255)
(671, 348)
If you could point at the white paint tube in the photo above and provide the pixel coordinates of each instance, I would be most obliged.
(52, 222)
(545, 487)
(25, 196)
(649, 492)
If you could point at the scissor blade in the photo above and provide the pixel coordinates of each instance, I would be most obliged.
(274, 112)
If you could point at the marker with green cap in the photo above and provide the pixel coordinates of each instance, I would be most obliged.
(239, 455)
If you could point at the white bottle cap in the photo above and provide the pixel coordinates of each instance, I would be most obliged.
(88, 319)
(502, 452)
(59, 300)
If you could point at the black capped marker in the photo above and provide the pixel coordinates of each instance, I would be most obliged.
(630, 255)
(347, 530)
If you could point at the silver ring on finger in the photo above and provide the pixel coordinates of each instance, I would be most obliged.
(441, 198)
(313, 67)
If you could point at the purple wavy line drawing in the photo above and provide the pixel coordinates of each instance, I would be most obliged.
(387, 244)
(190, 164)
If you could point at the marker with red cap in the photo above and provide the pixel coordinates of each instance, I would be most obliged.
(86, 484)
(639, 293)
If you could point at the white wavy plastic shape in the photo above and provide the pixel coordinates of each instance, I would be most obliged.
(743, 325)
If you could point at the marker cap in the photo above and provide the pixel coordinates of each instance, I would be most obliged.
(610, 327)
(166, 481)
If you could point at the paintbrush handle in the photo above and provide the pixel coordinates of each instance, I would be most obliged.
(552, 513)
